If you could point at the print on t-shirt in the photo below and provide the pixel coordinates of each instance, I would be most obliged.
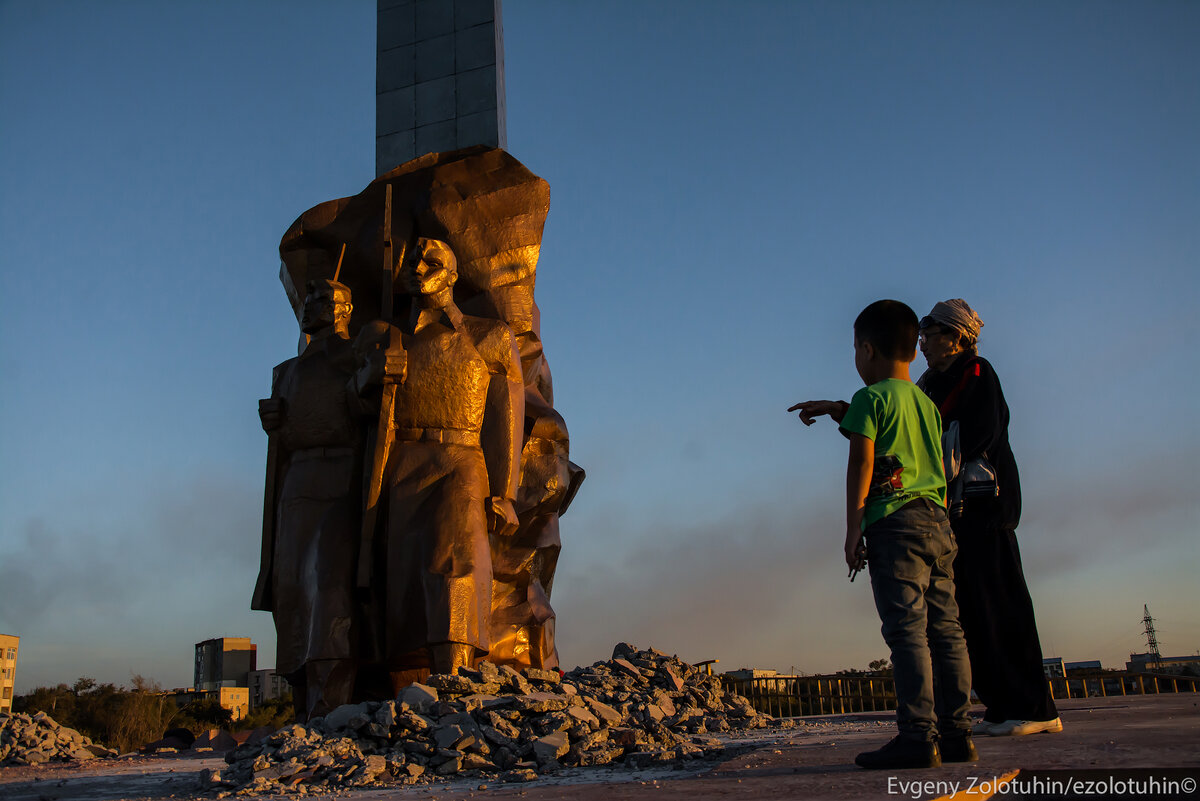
(885, 476)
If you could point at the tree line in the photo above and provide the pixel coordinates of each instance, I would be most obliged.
(126, 718)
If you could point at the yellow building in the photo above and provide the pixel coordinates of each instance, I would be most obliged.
(8, 669)
(236, 700)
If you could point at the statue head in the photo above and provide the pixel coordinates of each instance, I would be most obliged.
(430, 271)
(326, 305)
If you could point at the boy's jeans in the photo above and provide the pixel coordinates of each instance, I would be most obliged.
(910, 554)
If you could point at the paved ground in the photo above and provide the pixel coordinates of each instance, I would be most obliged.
(1154, 738)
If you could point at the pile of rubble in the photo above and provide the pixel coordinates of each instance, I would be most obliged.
(640, 708)
(34, 739)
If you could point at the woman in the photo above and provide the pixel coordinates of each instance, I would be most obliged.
(995, 609)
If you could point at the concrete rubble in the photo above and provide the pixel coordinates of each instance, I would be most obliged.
(640, 708)
(36, 739)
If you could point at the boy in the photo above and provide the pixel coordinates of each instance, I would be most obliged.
(896, 500)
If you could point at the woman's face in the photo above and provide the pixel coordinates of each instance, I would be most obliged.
(940, 346)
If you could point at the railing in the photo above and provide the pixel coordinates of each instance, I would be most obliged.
(797, 696)
(1102, 685)
(800, 696)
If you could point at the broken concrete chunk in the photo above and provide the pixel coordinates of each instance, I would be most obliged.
(449, 767)
(603, 711)
(386, 714)
(519, 775)
(418, 697)
(476, 762)
(344, 715)
(623, 650)
(477, 701)
(374, 765)
(537, 674)
(628, 669)
(550, 747)
(513, 681)
(582, 715)
(452, 684)
(453, 736)
(541, 702)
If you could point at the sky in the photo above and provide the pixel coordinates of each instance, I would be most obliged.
(731, 183)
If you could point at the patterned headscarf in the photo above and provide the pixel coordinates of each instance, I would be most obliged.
(956, 314)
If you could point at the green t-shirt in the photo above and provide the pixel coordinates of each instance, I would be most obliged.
(907, 430)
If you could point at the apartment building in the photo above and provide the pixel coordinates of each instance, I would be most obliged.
(224, 662)
(9, 645)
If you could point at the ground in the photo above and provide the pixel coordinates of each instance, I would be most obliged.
(1140, 736)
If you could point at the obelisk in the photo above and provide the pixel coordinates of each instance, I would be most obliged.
(439, 81)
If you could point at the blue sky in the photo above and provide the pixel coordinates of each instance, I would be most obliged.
(731, 183)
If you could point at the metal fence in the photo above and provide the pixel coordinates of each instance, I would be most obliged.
(799, 696)
(1102, 685)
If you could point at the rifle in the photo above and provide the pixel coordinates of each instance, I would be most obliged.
(387, 406)
(338, 271)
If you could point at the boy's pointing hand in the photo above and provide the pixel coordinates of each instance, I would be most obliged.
(811, 410)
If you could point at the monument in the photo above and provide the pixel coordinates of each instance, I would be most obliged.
(416, 465)
(439, 81)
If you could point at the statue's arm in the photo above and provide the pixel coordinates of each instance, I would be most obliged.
(379, 360)
(504, 419)
(271, 410)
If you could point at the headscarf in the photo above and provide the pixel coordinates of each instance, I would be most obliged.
(956, 314)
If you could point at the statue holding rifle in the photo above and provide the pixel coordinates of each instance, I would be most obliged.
(450, 471)
(442, 413)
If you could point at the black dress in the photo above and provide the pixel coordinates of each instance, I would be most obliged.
(994, 606)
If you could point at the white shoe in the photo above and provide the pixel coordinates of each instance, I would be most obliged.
(983, 727)
(1017, 728)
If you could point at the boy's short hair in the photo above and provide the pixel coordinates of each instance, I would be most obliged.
(891, 327)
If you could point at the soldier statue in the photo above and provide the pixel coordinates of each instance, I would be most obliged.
(312, 511)
(451, 398)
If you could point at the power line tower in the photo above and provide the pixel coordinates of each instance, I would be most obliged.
(1151, 637)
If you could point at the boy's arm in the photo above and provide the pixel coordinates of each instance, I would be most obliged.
(811, 410)
(858, 480)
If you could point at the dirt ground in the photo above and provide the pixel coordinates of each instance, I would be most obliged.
(1105, 739)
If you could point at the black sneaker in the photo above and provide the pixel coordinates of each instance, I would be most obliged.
(901, 752)
(958, 748)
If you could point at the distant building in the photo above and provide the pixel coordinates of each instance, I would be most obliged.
(223, 668)
(1054, 667)
(748, 673)
(1090, 664)
(265, 685)
(224, 662)
(9, 644)
(235, 699)
(1149, 663)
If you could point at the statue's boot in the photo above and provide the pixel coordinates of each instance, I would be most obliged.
(329, 684)
(448, 657)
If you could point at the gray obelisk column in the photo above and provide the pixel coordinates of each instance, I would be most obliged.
(439, 82)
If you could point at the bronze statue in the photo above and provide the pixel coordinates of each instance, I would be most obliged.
(462, 442)
(450, 473)
(312, 510)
